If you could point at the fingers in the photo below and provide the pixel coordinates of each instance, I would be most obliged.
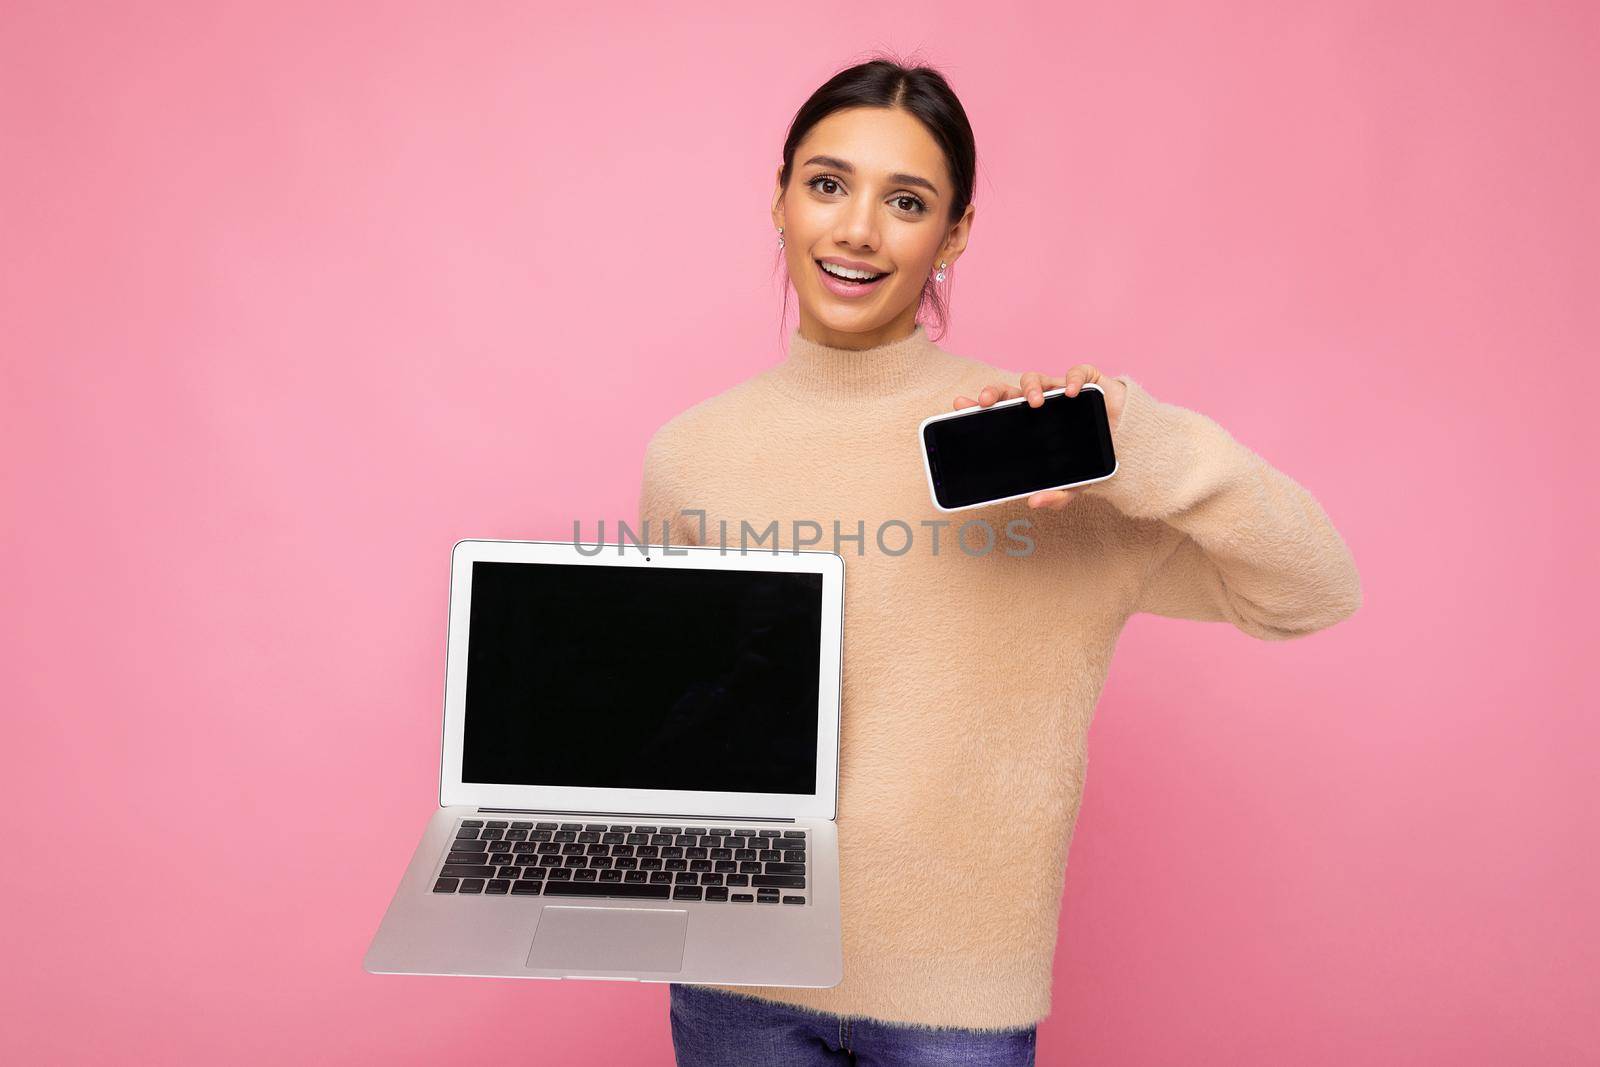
(1034, 385)
(991, 394)
(1077, 376)
(1054, 499)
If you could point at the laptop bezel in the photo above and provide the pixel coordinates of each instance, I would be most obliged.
(823, 803)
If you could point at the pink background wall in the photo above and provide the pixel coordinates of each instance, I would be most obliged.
(294, 296)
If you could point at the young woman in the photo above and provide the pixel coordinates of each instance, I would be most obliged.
(973, 656)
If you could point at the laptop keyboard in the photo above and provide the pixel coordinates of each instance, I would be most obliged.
(736, 865)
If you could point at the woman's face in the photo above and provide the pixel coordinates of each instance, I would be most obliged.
(869, 186)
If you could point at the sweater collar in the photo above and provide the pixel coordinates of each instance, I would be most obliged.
(911, 364)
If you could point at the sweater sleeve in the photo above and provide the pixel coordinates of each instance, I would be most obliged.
(1246, 543)
(661, 495)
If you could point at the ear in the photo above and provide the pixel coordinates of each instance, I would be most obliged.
(777, 197)
(956, 242)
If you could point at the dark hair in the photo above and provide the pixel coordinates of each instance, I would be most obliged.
(920, 90)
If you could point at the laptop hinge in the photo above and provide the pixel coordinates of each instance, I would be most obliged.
(635, 814)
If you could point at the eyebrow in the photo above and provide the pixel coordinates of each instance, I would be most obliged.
(897, 179)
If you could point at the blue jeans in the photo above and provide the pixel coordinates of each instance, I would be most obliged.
(713, 1028)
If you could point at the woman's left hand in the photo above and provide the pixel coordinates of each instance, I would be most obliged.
(1034, 385)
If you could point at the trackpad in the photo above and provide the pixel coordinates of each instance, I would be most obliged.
(609, 939)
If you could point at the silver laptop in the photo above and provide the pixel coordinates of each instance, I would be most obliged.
(640, 772)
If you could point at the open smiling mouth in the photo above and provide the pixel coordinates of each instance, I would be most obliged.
(848, 282)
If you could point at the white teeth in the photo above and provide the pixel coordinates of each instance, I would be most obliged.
(846, 272)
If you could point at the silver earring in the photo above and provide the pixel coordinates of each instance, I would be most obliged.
(940, 276)
(780, 236)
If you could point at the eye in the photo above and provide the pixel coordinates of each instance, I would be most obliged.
(917, 208)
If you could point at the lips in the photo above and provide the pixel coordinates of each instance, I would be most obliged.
(848, 290)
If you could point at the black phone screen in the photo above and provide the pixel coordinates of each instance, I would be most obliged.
(997, 452)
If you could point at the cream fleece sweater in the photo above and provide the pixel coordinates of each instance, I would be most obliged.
(970, 677)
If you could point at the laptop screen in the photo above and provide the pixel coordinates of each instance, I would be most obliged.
(633, 677)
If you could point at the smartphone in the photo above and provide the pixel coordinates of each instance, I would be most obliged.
(978, 456)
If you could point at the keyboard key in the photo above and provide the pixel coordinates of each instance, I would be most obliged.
(764, 833)
(783, 881)
(522, 826)
(548, 826)
(717, 892)
(527, 888)
(694, 829)
(555, 874)
(446, 885)
(738, 879)
(766, 896)
(472, 822)
(721, 831)
(465, 871)
(463, 857)
(794, 900)
(469, 846)
(472, 885)
(687, 892)
(611, 876)
(498, 885)
(794, 833)
(743, 898)
(466, 833)
(535, 874)
(572, 826)
(599, 826)
(496, 824)
(586, 874)
(786, 868)
(610, 889)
